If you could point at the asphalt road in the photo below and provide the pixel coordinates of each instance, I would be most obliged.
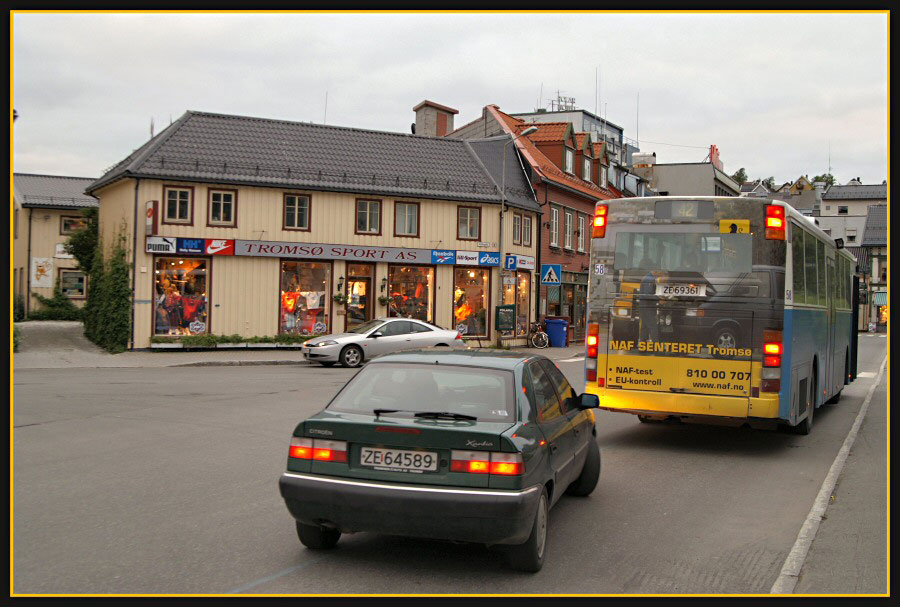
(164, 480)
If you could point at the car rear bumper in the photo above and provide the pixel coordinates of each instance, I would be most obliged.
(467, 515)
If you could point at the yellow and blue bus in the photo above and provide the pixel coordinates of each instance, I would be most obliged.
(717, 309)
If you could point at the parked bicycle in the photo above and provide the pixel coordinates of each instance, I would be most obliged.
(538, 336)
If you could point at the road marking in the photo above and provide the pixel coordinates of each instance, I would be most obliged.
(274, 576)
(790, 571)
(572, 360)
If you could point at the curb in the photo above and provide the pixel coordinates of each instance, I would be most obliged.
(241, 363)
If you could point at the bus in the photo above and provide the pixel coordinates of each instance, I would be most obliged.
(717, 310)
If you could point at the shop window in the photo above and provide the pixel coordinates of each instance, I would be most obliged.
(368, 217)
(517, 228)
(296, 212)
(223, 208)
(72, 283)
(519, 294)
(68, 225)
(470, 300)
(554, 227)
(406, 219)
(526, 231)
(182, 300)
(469, 223)
(305, 301)
(411, 292)
(177, 207)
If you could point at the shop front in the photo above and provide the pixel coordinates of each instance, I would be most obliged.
(411, 292)
(305, 297)
(181, 302)
(569, 301)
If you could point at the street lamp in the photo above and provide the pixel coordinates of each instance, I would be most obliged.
(527, 131)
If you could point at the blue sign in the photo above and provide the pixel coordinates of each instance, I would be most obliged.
(191, 245)
(551, 273)
(443, 257)
(489, 259)
(511, 261)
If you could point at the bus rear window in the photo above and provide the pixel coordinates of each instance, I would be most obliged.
(680, 252)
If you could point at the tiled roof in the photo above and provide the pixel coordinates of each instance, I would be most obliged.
(222, 148)
(862, 257)
(875, 232)
(856, 192)
(52, 191)
(547, 131)
(540, 163)
(490, 152)
(600, 152)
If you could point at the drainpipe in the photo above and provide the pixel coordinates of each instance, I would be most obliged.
(134, 273)
(28, 269)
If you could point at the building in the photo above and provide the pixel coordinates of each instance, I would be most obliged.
(569, 173)
(46, 210)
(875, 242)
(852, 199)
(755, 188)
(692, 179)
(259, 227)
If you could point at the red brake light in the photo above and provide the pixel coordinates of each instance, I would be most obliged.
(485, 462)
(600, 217)
(506, 468)
(329, 450)
(301, 448)
(775, 222)
(772, 348)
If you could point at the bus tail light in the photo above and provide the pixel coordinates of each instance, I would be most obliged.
(329, 450)
(775, 222)
(772, 348)
(592, 342)
(600, 220)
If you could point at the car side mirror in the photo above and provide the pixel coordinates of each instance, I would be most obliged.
(376, 334)
(588, 401)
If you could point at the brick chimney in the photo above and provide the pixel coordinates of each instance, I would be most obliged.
(433, 119)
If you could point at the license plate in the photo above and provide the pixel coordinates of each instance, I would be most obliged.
(399, 460)
(681, 289)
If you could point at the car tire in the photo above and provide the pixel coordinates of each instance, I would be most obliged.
(590, 473)
(529, 556)
(805, 427)
(351, 356)
(317, 537)
(327, 364)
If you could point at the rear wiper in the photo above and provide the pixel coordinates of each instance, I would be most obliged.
(444, 415)
(378, 412)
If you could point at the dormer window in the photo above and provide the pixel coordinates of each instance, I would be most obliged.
(604, 176)
(569, 161)
(586, 174)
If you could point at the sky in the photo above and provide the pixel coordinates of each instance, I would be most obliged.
(776, 93)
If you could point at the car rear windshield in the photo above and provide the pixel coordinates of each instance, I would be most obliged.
(484, 393)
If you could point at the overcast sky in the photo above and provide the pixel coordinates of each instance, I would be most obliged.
(771, 91)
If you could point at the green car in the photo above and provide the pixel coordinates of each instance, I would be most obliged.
(471, 446)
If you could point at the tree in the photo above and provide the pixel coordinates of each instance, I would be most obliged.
(828, 178)
(115, 307)
(83, 242)
(740, 176)
(92, 320)
(769, 182)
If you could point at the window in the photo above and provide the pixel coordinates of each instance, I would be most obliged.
(397, 327)
(567, 395)
(799, 286)
(809, 261)
(296, 212)
(406, 219)
(178, 203)
(470, 300)
(851, 235)
(72, 283)
(842, 210)
(517, 228)
(569, 160)
(820, 255)
(68, 225)
(586, 173)
(368, 217)
(469, 223)
(526, 231)
(411, 291)
(305, 302)
(546, 401)
(827, 231)
(554, 227)
(181, 300)
(604, 176)
(419, 328)
(519, 294)
(570, 228)
(223, 208)
(582, 233)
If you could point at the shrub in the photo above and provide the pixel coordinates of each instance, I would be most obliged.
(17, 336)
(115, 307)
(19, 308)
(57, 307)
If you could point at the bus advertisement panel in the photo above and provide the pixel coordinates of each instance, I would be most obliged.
(688, 313)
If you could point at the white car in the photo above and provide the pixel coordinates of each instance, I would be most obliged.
(378, 337)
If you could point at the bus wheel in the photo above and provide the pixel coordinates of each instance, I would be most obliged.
(805, 426)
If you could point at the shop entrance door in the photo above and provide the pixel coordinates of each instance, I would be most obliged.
(359, 304)
(579, 311)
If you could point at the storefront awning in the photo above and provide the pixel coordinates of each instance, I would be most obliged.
(881, 298)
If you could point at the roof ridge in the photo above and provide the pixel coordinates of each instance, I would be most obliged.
(53, 176)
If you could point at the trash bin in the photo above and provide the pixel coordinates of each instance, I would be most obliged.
(557, 329)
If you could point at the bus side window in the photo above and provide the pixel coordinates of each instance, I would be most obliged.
(797, 266)
(809, 257)
(820, 253)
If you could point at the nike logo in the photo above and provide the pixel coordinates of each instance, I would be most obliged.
(216, 245)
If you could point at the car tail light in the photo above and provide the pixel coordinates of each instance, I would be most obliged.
(301, 448)
(600, 219)
(775, 222)
(329, 450)
(484, 462)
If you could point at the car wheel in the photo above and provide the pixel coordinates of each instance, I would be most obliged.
(530, 555)
(805, 427)
(726, 337)
(317, 537)
(351, 356)
(590, 473)
(327, 364)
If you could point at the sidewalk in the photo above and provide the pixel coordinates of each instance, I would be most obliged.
(62, 345)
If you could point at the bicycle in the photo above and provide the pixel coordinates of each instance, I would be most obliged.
(537, 336)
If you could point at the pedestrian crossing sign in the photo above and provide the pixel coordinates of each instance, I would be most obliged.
(550, 273)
